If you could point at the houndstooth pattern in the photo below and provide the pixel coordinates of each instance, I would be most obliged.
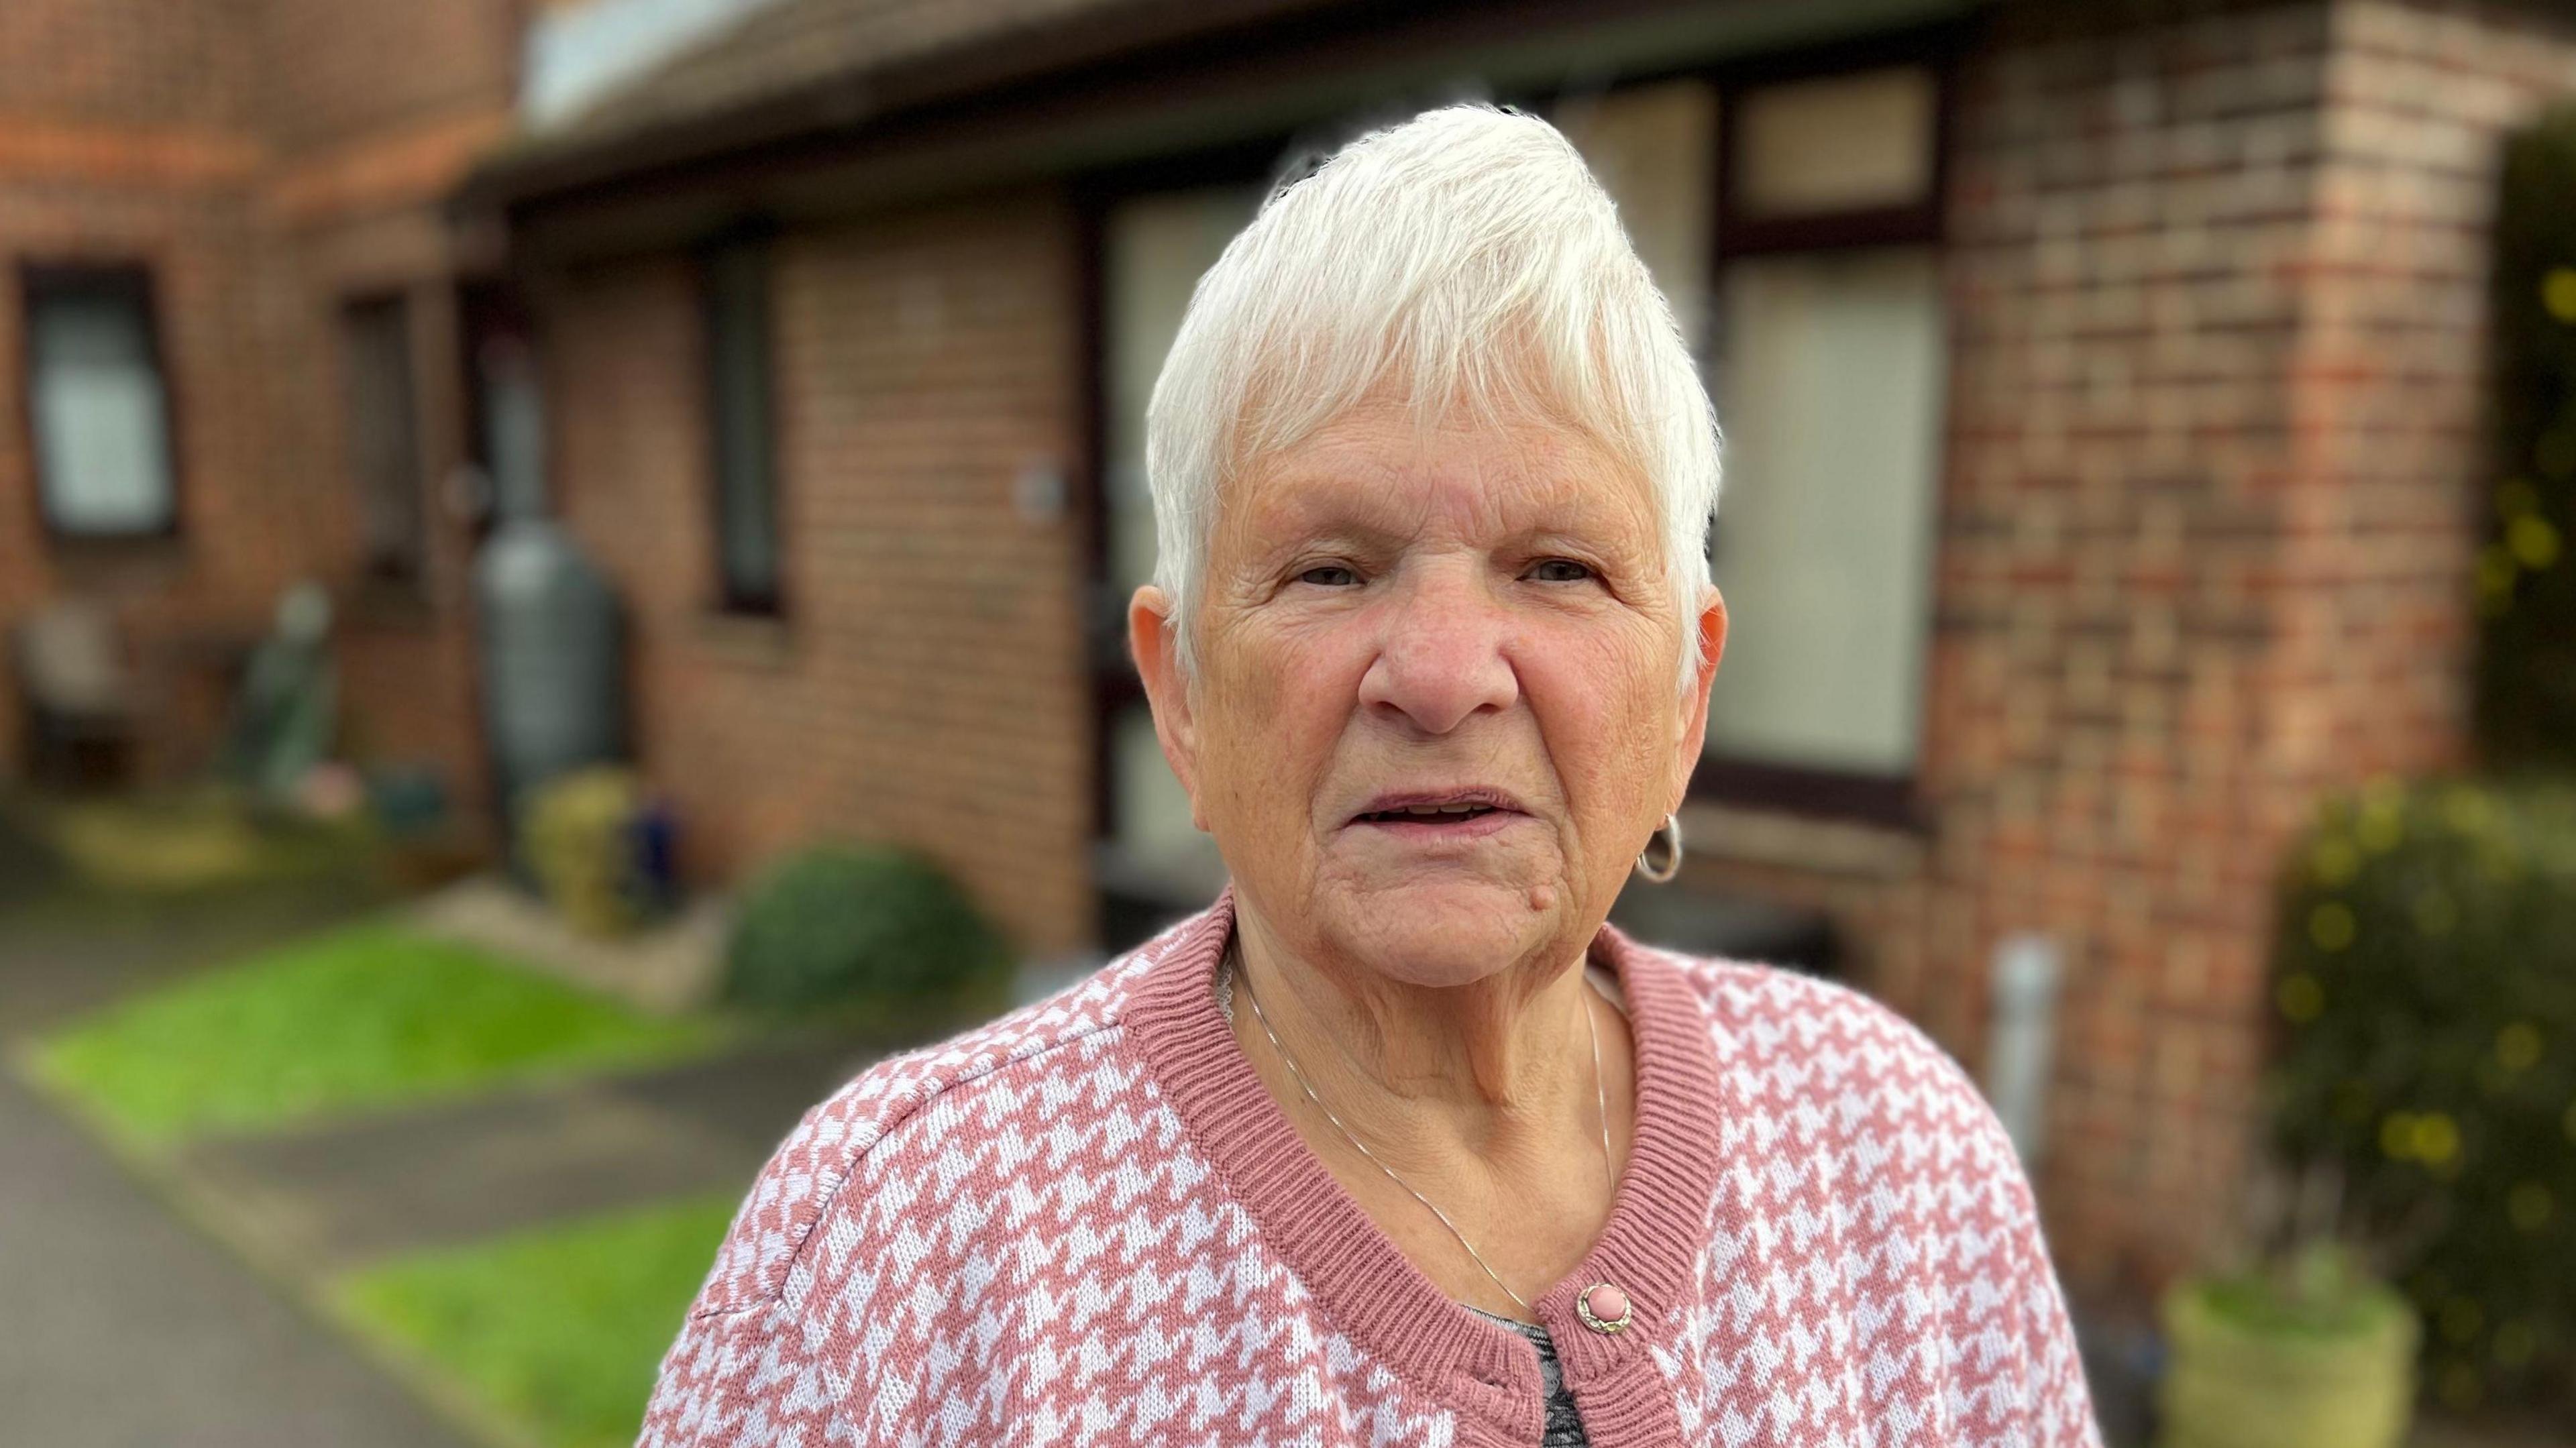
(1874, 1276)
(1010, 1238)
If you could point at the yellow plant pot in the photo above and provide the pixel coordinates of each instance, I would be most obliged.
(577, 847)
(2234, 1384)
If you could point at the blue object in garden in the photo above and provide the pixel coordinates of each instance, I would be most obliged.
(653, 835)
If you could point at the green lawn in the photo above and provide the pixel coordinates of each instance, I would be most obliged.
(560, 1329)
(368, 1017)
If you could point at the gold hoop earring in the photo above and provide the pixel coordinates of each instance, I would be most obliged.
(1670, 834)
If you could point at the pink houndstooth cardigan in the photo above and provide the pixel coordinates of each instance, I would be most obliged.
(1087, 1223)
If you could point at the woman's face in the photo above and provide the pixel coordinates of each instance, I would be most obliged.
(1435, 716)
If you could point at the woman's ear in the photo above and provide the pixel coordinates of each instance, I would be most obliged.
(1153, 638)
(1709, 629)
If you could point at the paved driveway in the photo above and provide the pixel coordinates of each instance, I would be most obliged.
(121, 1326)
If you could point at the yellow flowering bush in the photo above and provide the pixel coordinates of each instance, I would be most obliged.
(2425, 981)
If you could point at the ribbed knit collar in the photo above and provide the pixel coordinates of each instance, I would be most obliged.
(1659, 1223)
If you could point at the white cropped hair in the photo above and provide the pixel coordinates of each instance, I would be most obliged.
(1463, 259)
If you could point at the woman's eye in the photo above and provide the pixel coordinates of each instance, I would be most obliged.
(1329, 575)
(1559, 570)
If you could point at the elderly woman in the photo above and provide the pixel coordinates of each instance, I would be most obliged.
(1398, 1142)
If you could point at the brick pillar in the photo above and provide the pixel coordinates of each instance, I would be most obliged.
(2218, 278)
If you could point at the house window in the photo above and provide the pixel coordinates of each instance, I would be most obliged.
(1828, 370)
(1837, 145)
(1829, 389)
(384, 436)
(741, 417)
(1654, 149)
(1153, 249)
(98, 405)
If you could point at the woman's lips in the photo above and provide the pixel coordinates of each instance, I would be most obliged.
(1470, 825)
(1443, 814)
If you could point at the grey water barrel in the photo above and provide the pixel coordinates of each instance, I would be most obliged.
(554, 695)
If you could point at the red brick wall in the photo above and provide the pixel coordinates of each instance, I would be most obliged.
(2132, 206)
(2217, 285)
(926, 684)
(2392, 373)
(266, 160)
(126, 63)
(375, 112)
(336, 71)
(185, 599)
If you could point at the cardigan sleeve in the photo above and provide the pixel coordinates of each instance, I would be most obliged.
(732, 1380)
(797, 1314)
(2057, 1405)
(834, 1353)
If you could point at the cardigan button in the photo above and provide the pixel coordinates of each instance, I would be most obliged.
(1603, 1308)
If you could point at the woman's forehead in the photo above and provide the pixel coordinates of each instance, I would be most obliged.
(1382, 468)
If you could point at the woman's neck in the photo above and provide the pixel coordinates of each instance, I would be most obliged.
(1502, 1070)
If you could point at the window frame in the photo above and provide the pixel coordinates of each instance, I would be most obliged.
(1743, 232)
(760, 236)
(1889, 798)
(395, 577)
(134, 277)
(1115, 686)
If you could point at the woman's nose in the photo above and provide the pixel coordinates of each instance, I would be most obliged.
(1440, 658)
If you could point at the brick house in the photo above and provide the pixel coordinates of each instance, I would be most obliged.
(233, 310)
(2102, 379)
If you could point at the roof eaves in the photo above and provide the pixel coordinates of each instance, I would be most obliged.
(539, 166)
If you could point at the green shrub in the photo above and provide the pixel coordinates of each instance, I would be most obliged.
(2526, 572)
(870, 927)
(2425, 975)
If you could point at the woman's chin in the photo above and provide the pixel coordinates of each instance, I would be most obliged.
(1447, 932)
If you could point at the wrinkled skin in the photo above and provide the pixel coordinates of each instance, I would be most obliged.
(1395, 615)
(1387, 609)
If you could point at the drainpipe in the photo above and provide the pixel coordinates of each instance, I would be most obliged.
(2026, 974)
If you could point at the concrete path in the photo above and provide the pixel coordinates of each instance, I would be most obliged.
(316, 1201)
(164, 1313)
(122, 1327)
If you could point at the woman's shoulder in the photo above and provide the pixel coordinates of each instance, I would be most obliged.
(1801, 1036)
(1008, 1078)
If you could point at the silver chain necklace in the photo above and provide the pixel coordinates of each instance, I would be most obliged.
(1600, 1094)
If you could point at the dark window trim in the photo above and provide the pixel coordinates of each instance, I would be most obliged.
(488, 306)
(1089, 510)
(1884, 799)
(136, 278)
(1893, 799)
(407, 585)
(1114, 682)
(1743, 233)
(761, 233)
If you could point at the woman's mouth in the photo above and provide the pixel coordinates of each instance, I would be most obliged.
(1459, 813)
(1428, 814)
